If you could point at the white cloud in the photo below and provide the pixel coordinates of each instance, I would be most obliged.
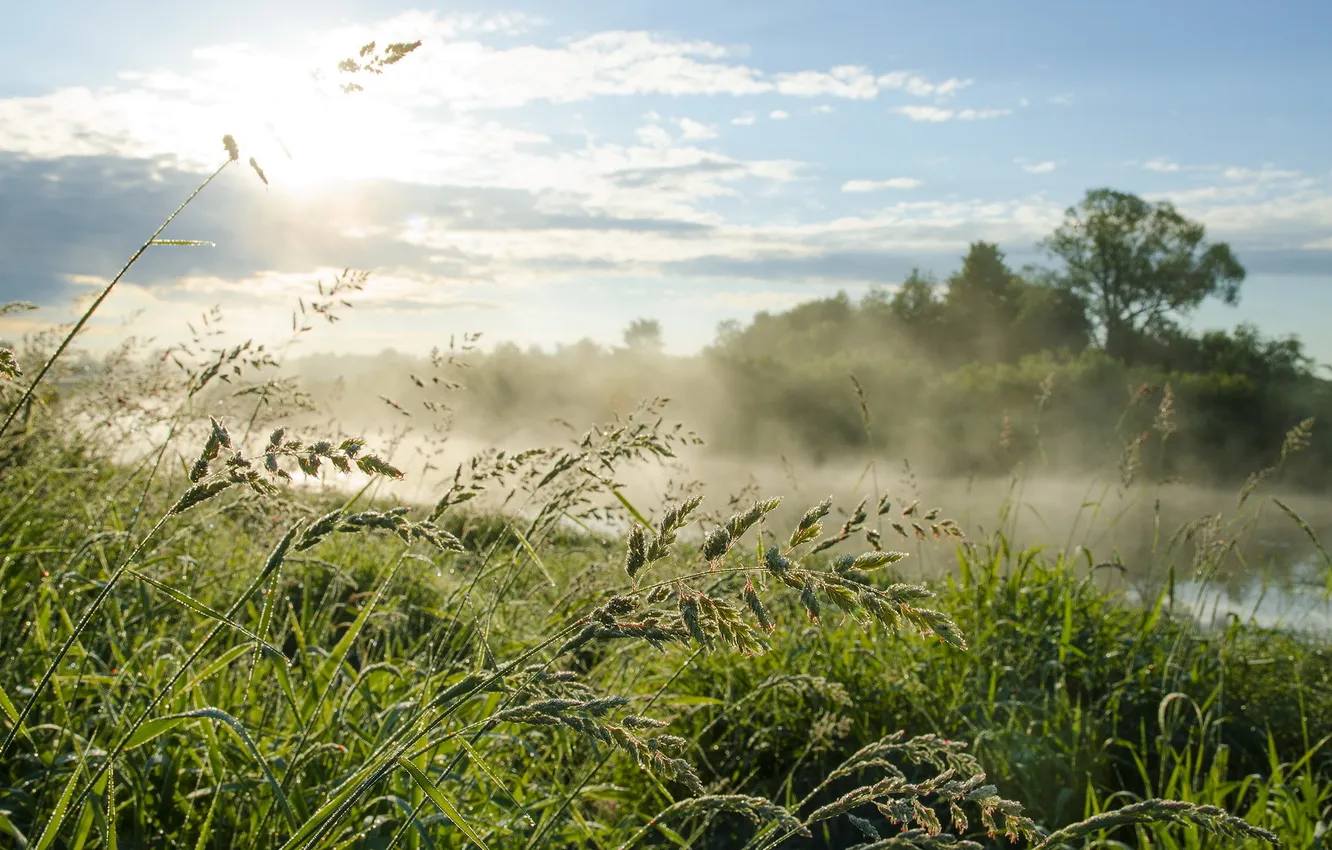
(1023, 102)
(396, 129)
(1267, 207)
(743, 120)
(1161, 164)
(926, 113)
(779, 115)
(856, 82)
(913, 83)
(1062, 99)
(822, 109)
(654, 136)
(1039, 167)
(516, 256)
(936, 114)
(1264, 174)
(848, 81)
(388, 287)
(981, 114)
(856, 186)
(692, 130)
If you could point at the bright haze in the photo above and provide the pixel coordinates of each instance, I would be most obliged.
(545, 172)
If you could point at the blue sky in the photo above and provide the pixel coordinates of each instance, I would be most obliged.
(548, 171)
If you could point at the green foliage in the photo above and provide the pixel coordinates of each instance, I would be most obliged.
(1139, 265)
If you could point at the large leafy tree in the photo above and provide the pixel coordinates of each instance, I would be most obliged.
(1139, 266)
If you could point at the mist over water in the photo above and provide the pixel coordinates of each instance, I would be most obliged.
(1137, 539)
(428, 417)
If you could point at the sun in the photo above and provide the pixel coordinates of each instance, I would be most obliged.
(302, 127)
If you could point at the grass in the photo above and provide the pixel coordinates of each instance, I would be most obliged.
(336, 671)
(197, 653)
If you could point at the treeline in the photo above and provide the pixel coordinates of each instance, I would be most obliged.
(1084, 362)
(1074, 359)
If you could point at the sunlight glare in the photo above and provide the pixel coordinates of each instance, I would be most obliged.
(301, 127)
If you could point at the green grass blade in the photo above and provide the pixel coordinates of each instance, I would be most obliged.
(6, 825)
(490, 774)
(217, 666)
(437, 797)
(8, 707)
(200, 608)
(111, 840)
(160, 725)
(156, 727)
(207, 828)
(1305, 527)
(522, 538)
(335, 658)
(630, 508)
(57, 818)
(265, 618)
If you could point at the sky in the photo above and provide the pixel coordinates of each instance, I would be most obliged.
(544, 172)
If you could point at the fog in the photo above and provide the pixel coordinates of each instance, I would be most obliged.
(1074, 497)
(1076, 455)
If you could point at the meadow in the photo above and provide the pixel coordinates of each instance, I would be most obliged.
(227, 621)
(201, 657)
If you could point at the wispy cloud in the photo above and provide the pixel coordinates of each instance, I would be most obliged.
(692, 130)
(856, 82)
(1265, 209)
(1039, 167)
(913, 83)
(779, 115)
(848, 81)
(877, 185)
(936, 114)
(1161, 164)
(1259, 175)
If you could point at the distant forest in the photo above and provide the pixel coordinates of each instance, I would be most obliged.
(1082, 363)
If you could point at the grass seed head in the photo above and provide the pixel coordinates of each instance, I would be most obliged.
(716, 544)
(810, 526)
(636, 557)
(756, 606)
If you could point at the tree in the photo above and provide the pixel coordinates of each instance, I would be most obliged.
(981, 304)
(981, 288)
(915, 304)
(643, 335)
(1139, 266)
(728, 331)
(1048, 318)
